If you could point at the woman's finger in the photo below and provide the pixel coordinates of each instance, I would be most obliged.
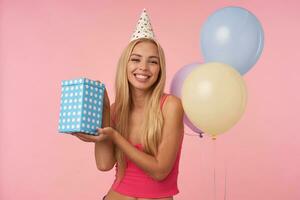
(91, 138)
(88, 137)
(82, 135)
(82, 138)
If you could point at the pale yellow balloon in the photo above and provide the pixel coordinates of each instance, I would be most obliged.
(214, 97)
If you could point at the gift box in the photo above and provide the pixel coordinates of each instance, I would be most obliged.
(81, 106)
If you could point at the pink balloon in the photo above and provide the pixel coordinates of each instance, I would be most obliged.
(176, 86)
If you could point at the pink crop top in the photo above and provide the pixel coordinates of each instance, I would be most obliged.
(136, 183)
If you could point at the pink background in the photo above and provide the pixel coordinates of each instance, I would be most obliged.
(44, 42)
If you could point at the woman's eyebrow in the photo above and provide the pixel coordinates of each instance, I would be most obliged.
(134, 54)
(153, 57)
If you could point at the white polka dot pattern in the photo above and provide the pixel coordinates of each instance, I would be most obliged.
(81, 106)
(143, 28)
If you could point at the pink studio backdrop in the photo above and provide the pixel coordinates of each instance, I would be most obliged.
(44, 42)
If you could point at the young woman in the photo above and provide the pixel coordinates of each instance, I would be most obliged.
(143, 129)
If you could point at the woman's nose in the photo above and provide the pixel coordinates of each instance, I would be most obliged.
(143, 66)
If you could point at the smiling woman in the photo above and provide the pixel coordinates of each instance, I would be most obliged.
(143, 66)
(143, 129)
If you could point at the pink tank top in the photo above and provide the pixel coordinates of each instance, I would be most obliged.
(136, 183)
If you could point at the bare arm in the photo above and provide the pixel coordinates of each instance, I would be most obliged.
(104, 149)
(159, 166)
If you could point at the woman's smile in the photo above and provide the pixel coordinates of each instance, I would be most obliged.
(141, 77)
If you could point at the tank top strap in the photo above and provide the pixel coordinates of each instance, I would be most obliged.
(163, 99)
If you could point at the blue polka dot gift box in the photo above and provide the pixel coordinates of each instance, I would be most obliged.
(81, 106)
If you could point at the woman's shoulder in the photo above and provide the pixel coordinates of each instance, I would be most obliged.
(172, 98)
(173, 114)
(172, 103)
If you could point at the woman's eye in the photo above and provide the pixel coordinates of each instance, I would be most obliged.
(134, 60)
(154, 62)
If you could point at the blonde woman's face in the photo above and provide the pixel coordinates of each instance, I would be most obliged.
(143, 66)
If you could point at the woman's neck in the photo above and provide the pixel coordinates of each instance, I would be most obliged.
(138, 99)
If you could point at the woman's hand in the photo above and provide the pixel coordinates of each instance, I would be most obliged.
(103, 134)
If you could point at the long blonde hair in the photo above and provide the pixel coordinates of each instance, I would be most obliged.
(153, 120)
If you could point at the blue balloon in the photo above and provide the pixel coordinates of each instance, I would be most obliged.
(234, 36)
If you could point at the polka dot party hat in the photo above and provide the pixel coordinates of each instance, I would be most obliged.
(143, 28)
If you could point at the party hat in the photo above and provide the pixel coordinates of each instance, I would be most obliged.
(143, 28)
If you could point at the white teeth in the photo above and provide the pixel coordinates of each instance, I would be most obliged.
(141, 76)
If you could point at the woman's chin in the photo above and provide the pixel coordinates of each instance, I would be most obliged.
(141, 87)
